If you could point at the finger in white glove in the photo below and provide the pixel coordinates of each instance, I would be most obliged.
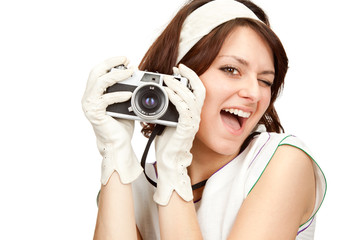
(173, 147)
(113, 135)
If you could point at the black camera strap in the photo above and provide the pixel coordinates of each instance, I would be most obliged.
(157, 131)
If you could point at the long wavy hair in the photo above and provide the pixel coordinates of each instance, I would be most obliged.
(162, 55)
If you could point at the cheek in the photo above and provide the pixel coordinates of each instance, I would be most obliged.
(210, 110)
(210, 97)
(265, 100)
(268, 99)
(214, 98)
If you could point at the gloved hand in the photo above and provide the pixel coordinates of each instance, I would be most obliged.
(172, 148)
(113, 135)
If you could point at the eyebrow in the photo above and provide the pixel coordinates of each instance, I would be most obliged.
(246, 64)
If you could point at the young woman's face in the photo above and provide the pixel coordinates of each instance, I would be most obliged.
(238, 90)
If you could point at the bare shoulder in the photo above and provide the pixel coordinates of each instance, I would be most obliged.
(292, 170)
(282, 199)
(292, 164)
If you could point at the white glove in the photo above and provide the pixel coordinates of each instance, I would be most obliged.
(113, 135)
(172, 148)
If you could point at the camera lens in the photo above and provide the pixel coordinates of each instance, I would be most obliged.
(149, 101)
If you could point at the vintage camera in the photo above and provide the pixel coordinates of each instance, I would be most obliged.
(149, 102)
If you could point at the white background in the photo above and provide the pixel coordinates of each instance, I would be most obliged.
(50, 167)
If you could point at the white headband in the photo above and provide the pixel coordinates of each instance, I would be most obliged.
(207, 17)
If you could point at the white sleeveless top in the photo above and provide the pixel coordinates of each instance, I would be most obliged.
(226, 190)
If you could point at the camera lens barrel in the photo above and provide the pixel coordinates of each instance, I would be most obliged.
(149, 101)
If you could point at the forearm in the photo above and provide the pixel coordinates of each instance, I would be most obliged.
(178, 220)
(116, 217)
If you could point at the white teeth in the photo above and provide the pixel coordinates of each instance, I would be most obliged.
(237, 112)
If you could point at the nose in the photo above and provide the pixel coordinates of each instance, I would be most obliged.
(250, 89)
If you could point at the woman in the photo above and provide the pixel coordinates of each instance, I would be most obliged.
(260, 182)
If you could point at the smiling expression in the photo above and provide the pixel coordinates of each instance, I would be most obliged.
(238, 90)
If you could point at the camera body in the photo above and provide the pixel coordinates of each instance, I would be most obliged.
(149, 101)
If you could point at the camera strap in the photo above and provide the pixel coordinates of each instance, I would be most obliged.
(158, 131)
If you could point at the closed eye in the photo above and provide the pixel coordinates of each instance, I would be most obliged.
(266, 83)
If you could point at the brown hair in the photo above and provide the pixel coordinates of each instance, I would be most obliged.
(162, 55)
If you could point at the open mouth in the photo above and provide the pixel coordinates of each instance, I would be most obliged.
(234, 119)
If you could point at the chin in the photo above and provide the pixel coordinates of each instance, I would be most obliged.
(219, 146)
(229, 147)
